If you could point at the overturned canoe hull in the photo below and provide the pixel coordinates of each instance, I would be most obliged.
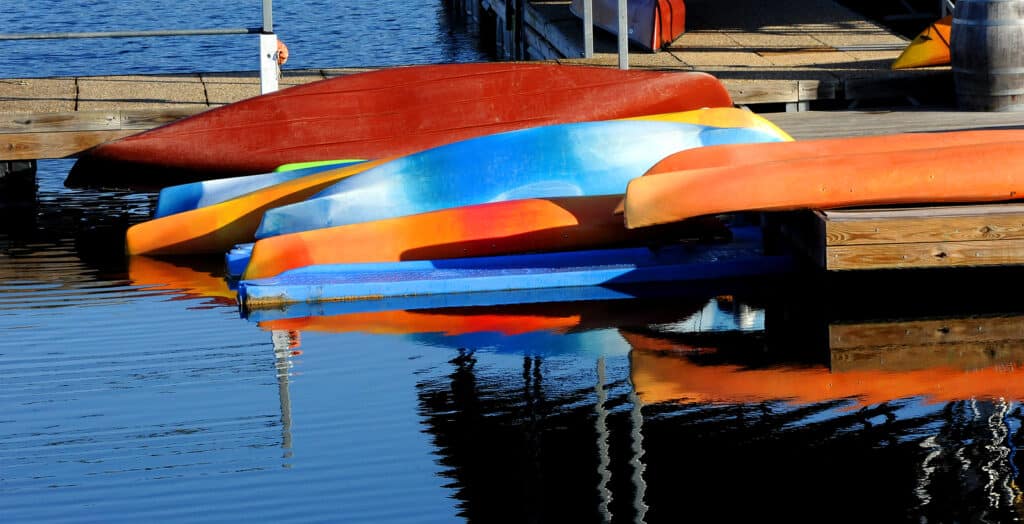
(499, 228)
(387, 112)
(984, 172)
(755, 154)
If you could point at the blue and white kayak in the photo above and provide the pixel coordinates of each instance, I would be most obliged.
(583, 159)
(186, 197)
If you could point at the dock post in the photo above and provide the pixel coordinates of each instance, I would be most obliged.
(588, 28)
(17, 182)
(623, 36)
(268, 51)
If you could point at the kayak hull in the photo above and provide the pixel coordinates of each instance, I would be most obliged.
(984, 172)
(499, 228)
(582, 159)
(387, 112)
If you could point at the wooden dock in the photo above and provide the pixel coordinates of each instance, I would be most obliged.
(812, 54)
(796, 54)
(907, 237)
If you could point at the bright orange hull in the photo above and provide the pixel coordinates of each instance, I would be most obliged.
(965, 173)
(499, 228)
(218, 228)
(746, 154)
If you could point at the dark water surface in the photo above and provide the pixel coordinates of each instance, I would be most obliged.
(134, 389)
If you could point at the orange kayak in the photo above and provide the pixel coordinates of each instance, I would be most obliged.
(982, 172)
(929, 48)
(498, 228)
(217, 228)
(758, 153)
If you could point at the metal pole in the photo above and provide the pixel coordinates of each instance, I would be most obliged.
(623, 34)
(132, 34)
(268, 51)
(268, 16)
(588, 28)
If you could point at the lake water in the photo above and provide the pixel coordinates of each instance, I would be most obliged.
(134, 390)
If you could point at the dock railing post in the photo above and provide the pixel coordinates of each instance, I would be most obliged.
(588, 28)
(623, 34)
(268, 51)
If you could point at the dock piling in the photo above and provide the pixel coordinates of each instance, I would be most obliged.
(17, 182)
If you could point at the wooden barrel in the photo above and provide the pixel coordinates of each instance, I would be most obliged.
(987, 54)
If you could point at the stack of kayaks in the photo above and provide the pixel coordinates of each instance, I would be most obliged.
(505, 211)
(543, 202)
(583, 159)
(525, 198)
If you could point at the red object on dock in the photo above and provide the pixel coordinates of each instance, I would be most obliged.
(387, 112)
(650, 23)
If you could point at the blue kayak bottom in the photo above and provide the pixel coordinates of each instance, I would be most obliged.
(419, 283)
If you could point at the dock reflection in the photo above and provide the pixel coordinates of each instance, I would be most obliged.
(654, 409)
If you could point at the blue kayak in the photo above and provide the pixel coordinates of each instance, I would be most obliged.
(583, 159)
(186, 197)
(371, 282)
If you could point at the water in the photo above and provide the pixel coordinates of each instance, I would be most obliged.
(134, 390)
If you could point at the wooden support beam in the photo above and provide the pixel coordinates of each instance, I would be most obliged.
(32, 136)
(922, 237)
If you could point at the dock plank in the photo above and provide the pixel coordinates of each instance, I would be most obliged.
(925, 255)
(927, 224)
(33, 146)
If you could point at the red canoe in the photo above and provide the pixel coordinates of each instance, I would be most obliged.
(387, 112)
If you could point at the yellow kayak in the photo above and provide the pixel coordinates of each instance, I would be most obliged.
(930, 48)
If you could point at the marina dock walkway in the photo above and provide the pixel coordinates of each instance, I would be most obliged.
(805, 55)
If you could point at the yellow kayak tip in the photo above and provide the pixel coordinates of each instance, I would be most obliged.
(930, 48)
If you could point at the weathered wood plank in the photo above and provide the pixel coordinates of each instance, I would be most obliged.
(33, 146)
(142, 119)
(928, 224)
(925, 255)
(137, 119)
(62, 135)
(745, 92)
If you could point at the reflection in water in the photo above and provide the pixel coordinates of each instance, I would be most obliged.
(176, 277)
(681, 406)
